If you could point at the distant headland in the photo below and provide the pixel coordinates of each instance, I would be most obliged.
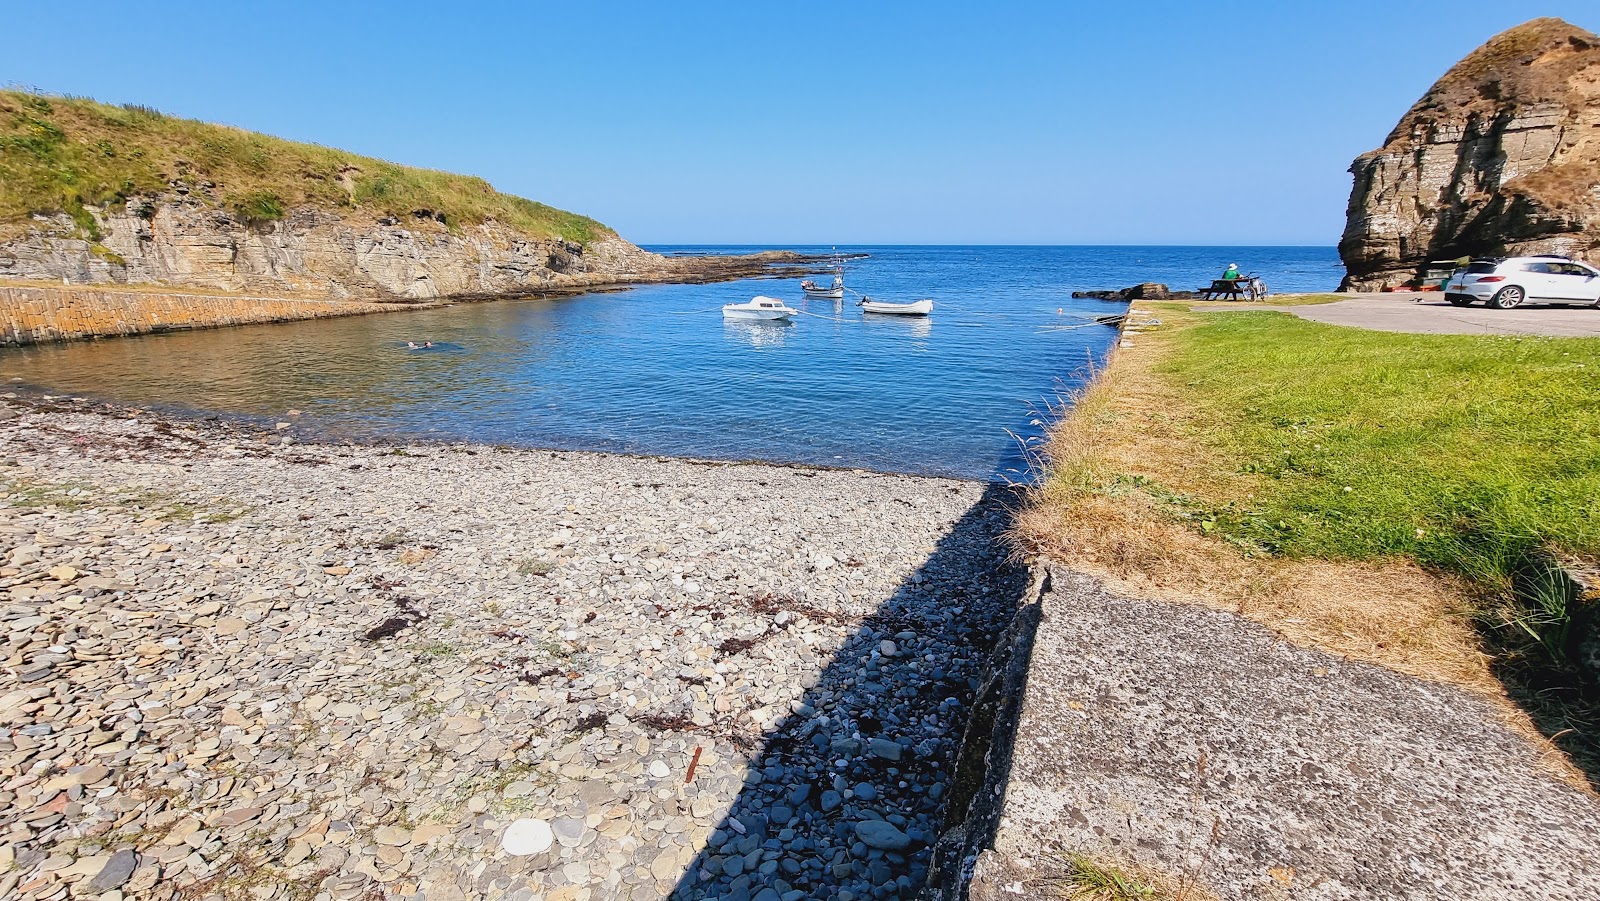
(126, 195)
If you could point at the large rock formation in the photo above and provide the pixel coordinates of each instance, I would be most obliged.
(92, 193)
(1500, 157)
(186, 243)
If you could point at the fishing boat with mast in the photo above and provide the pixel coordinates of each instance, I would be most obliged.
(834, 291)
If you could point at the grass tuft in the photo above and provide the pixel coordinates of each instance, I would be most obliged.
(1084, 879)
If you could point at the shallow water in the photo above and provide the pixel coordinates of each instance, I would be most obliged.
(656, 370)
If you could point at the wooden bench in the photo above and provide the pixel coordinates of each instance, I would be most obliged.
(1245, 286)
(1223, 287)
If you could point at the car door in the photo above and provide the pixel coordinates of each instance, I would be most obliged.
(1574, 281)
(1537, 280)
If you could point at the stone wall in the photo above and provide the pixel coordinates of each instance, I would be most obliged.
(30, 315)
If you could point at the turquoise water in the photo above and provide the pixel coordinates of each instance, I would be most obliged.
(656, 370)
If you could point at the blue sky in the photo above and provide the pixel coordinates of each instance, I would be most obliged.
(832, 123)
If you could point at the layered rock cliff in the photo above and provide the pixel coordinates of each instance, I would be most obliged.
(92, 193)
(317, 253)
(1500, 157)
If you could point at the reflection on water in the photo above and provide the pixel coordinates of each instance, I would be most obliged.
(656, 370)
(914, 327)
(756, 332)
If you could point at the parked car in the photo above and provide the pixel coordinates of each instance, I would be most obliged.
(1508, 283)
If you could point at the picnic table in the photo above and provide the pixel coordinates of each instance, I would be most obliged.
(1245, 286)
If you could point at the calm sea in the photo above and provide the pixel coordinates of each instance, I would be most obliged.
(656, 370)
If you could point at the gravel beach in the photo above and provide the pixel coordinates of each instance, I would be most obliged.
(240, 666)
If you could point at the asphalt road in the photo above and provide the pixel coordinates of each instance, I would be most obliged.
(1431, 314)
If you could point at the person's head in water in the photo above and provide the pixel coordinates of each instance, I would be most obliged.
(427, 344)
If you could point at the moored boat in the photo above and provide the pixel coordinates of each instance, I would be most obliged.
(835, 291)
(759, 307)
(915, 308)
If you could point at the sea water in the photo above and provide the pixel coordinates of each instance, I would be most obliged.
(656, 370)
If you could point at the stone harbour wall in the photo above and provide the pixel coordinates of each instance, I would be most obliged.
(31, 315)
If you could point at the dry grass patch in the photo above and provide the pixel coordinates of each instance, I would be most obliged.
(1360, 493)
(1126, 461)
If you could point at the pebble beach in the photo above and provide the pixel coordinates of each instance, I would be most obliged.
(240, 665)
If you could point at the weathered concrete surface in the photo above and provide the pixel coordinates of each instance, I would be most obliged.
(1430, 314)
(1194, 743)
(30, 315)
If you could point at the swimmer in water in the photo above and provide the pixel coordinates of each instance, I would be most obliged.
(411, 345)
(427, 344)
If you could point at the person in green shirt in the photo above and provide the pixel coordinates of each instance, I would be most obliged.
(1233, 272)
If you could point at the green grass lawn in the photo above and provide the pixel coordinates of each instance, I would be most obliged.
(58, 154)
(1462, 452)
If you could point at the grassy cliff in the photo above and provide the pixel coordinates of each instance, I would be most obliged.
(58, 154)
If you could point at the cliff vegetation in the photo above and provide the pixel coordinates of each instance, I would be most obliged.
(63, 154)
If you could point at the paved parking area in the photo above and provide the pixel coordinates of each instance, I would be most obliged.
(1431, 314)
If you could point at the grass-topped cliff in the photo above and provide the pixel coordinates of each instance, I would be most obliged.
(58, 154)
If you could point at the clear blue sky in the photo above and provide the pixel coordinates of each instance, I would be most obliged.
(817, 122)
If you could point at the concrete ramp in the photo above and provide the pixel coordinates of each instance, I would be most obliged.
(1194, 748)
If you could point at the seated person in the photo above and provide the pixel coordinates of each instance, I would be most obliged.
(1232, 274)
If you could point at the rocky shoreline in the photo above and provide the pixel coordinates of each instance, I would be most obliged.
(36, 312)
(241, 666)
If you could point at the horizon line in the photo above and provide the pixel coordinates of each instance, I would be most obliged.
(960, 244)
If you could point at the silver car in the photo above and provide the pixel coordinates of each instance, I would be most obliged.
(1508, 283)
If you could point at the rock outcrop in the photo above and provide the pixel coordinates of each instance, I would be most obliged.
(1500, 157)
(183, 243)
(1141, 291)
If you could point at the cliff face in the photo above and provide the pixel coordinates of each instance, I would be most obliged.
(92, 193)
(1501, 157)
(310, 252)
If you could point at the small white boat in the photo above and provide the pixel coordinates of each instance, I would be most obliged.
(834, 291)
(759, 308)
(915, 308)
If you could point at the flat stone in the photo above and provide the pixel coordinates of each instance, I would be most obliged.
(568, 831)
(882, 835)
(115, 872)
(427, 832)
(527, 836)
(519, 789)
(392, 835)
(884, 748)
(238, 816)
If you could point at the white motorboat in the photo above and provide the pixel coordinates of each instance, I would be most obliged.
(759, 308)
(834, 291)
(915, 308)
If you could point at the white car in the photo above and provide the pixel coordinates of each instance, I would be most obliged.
(1508, 283)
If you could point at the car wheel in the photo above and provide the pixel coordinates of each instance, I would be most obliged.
(1508, 297)
(1467, 301)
